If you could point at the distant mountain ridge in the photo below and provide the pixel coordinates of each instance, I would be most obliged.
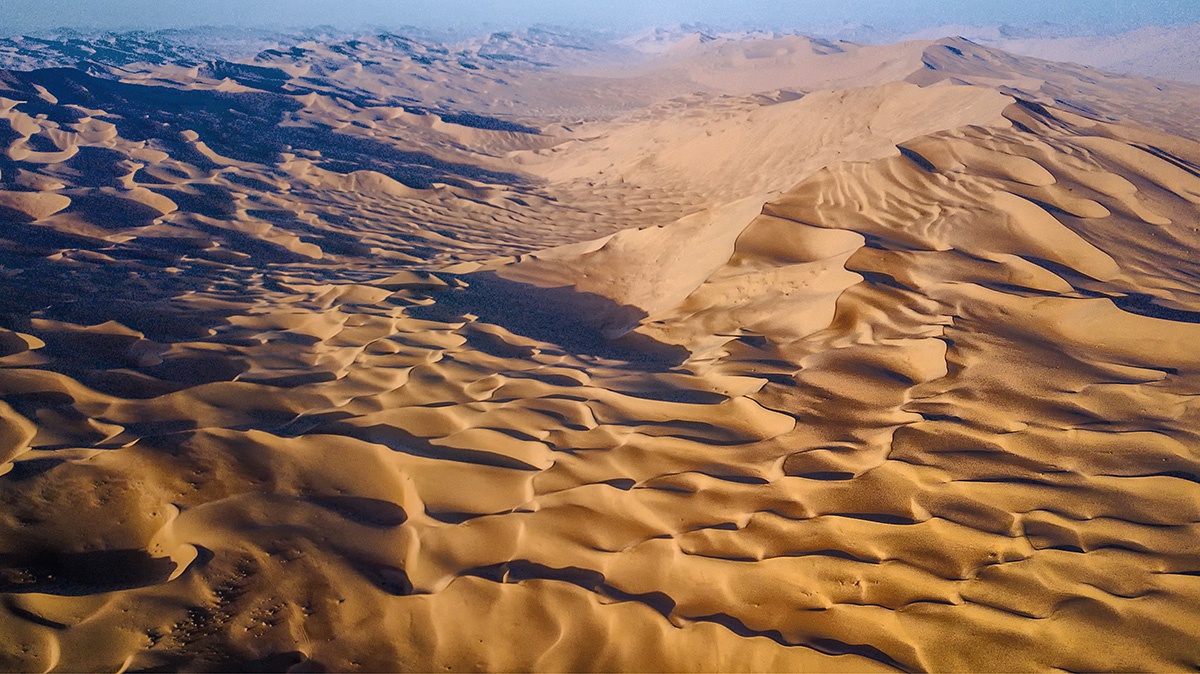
(1169, 52)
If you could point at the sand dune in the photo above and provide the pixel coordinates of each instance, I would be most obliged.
(1166, 52)
(825, 357)
(739, 66)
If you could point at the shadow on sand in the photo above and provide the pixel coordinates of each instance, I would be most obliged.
(576, 321)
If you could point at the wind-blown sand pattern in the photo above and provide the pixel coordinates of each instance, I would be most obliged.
(883, 363)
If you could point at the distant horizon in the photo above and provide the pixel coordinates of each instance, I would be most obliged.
(629, 16)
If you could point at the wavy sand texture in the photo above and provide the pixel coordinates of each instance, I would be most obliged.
(909, 387)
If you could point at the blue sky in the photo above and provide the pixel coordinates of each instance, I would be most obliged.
(32, 15)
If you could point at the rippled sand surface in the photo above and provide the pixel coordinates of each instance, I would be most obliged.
(858, 359)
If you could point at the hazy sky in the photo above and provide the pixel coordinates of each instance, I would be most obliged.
(32, 15)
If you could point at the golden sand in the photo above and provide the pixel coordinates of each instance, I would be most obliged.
(860, 359)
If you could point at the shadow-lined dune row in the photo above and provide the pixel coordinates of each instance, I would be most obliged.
(289, 382)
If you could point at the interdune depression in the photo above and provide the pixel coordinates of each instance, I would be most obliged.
(760, 354)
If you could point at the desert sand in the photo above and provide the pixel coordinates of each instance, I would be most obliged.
(730, 354)
(1165, 52)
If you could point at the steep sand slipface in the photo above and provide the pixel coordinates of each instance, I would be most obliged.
(927, 408)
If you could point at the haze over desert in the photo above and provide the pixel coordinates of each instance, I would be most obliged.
(686, 348)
